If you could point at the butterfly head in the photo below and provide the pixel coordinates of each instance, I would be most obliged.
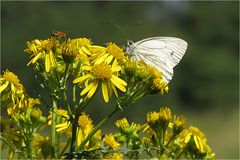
(129, 46)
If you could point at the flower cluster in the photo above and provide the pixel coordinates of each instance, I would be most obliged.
(72, 71)
(24, 117)
(172, 139)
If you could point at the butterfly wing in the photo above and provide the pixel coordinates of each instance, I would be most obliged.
(164, 53)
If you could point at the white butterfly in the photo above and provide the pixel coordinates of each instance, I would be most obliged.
(164, 53)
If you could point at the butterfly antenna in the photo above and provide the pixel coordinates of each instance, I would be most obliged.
(122, 30)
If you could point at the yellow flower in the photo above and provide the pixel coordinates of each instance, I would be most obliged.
(160, 85)
(85, 127)
(178, 124)
(9, 79)
(157, 120)
(69, 51)
(152, 117)
(193, 135)
(112, 54)
(83, 45)
(138, 69)
(11, 88)
(110, 141)
(103, 74)
(43, 49)
(84, 120)
(165, 114)
(125, 127)
(122, 123)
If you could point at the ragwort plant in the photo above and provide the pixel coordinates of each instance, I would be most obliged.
(59, 61)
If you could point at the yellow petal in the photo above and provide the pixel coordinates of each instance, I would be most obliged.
(62, 126)
(118, 85)
(187, 138)
(196, 142)
(47, 62)
(36, 58)
(86, 50)
(82, 78)
(92, 91)
(116, 69)
(119, 80)
(88, 88)
(114, 90)
(4, 86)
(88, 68)
(115, 63)
(97, 47)
(101, 59)
(52, 59)
(200, 145)
(105, 92)
(109, 59)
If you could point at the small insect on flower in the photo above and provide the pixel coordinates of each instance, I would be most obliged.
(58, 34)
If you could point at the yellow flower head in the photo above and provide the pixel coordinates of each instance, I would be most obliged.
(83, 45)
(159, 119)
(165, 114)
(84, 120)
(138, 69)
(43, 49)
(178, 123)
(122, 123)
(116, 52)
(153, 118)
(112, 54)
(194, 136)
(69, 51)
(110, 141)
(11, 89)
(9, 79)
(103, 74)
(160, 85)
(85, 127)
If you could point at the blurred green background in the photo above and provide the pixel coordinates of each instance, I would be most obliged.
(205, 86)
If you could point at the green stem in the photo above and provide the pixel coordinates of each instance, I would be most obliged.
(98, 126)
(74, 132)
(74, 96)
(66, 74)
(29, 148)
(65, 99)
(53, 128)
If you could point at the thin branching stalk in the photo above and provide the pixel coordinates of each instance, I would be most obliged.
(53, 128)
